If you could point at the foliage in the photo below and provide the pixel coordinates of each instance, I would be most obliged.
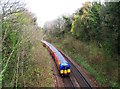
(110, 27)
(16, 45)
(93, 22)
(67, 24)
(97, 26)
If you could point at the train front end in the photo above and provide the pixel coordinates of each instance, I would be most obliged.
(65, 69)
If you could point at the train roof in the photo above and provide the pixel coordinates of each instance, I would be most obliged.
(57, 53)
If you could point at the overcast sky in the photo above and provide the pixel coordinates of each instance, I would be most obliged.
(47, 10)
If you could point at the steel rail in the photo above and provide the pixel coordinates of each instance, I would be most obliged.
(78, 75)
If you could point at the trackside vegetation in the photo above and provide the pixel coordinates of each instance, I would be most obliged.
(23, 58)
(91, 36)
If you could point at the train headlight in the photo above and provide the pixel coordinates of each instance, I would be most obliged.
(65, 71)
(68, 70)
(61, 71)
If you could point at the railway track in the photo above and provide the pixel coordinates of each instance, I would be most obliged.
(77, 76)
(76, 79)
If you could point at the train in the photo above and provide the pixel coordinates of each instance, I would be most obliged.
(62, 65)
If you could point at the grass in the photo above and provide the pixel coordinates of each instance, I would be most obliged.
(38, 69)
(102, 67)
(86, 65)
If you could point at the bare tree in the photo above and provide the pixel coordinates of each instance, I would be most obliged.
(7, 9)
(10, 7)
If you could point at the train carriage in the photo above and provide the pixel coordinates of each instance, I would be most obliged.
(62, 65)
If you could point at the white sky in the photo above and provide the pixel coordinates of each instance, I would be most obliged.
(47, 10)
